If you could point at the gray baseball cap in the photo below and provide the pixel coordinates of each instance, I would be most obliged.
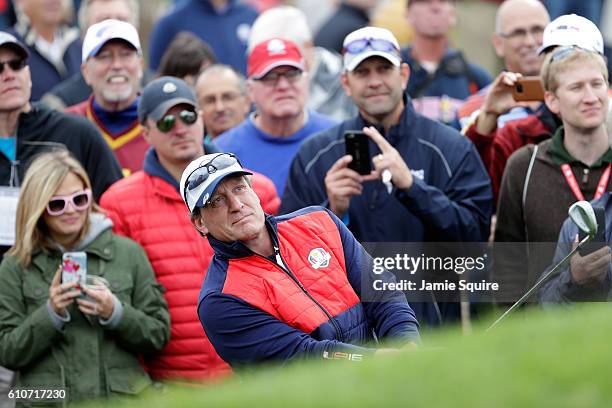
(9, 41)
(162, 94)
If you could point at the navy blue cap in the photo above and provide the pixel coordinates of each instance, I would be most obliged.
(162, 94)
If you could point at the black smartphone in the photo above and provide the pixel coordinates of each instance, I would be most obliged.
(599, 240)
(358, 145)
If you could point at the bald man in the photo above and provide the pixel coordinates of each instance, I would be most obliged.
(519, 27)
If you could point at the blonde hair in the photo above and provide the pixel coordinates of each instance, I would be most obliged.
(551, 69)
(43, 177)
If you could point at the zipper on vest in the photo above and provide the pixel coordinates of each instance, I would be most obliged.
(283, 266)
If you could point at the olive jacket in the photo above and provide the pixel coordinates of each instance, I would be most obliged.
(86, 357)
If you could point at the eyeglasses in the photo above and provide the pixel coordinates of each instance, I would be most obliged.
(166, 123)
(272, 78)
(520, 34)
(357, 46)
(201, 174)
(59, 204)
(15, 64)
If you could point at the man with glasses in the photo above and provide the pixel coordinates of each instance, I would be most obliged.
(542, 181)
(221, 92)
(428, 182)
(278, 86)
(27, 129)
(113, 67)
(283, 288)
(519, 28)
(566, 30)
(147, 207)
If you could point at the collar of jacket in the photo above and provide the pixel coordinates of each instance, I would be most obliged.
(236, 249)
(551, 121)
(559, 154)
(154, 168)
(398, 130)
(211, 9)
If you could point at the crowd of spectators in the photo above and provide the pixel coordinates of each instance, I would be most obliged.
(93, 111)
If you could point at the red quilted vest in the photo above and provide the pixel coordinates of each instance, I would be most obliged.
(266, 286)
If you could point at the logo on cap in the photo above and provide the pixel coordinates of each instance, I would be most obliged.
(276, 47)
(319, 258)
(169, 87)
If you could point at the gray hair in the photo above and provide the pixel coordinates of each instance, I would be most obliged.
(285, 22)
(83, 16)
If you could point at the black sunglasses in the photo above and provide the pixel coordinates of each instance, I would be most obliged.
(15, 64)
(166, 123)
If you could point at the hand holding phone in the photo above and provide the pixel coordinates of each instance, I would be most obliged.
(62, 295)
(358, 147)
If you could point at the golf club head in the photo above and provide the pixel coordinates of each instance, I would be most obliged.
(582, 214)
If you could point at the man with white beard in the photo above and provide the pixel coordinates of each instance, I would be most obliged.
(113, 67)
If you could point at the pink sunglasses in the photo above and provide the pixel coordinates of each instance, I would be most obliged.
(59, 204)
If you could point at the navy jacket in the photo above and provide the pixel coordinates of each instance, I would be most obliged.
(225, 31)
(450, 200)
(45, 75)
(561, 288)
(323, 302)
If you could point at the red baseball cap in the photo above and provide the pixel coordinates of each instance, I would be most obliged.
(273, 53)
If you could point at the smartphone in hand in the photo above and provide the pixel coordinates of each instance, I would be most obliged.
(528, 89)
(74, 268)
(358, 146)
(599, 240)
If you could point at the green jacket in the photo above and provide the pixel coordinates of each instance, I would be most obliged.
(86, 358)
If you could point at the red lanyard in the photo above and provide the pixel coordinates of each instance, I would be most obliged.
(571, 181)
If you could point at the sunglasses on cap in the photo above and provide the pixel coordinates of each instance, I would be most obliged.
(561, 53)
(59, 204)
(166, 123)
(15, 64)
(357, 46)
(201, 174)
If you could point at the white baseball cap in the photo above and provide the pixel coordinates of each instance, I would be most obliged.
(100, 33)
(202, 176)
(370, 42)
(571, 29)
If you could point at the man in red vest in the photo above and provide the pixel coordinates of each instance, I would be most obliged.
(279, 288)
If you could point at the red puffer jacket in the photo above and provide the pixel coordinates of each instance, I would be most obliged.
(150, 211)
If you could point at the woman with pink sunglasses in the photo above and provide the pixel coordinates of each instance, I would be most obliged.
(83, 341)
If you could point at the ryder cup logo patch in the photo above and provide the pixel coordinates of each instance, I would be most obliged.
(319, 258)
(276, 47)
(169, 87)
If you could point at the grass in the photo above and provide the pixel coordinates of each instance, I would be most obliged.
(559, 358)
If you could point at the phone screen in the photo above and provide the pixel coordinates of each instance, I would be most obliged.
(358, 146)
